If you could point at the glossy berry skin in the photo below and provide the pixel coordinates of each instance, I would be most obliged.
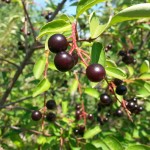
(121, 90)
(117, 81)
(134, 100)
(105, 99)
(51, 117)
(81, 130)
(90, 117)
(8, 1)
(109, 46)
(36, 115)
(78, 107)
(75, 57)
(118, 113)
(95, 72)
(63, 61)
(51, 104)
(76, 131)
(57, 43)
(131, 105)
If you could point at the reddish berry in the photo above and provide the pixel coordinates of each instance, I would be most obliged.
(95, 72)
(105, 99)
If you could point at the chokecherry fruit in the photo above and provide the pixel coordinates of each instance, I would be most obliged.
(127, 59)
(36, 115)
(121, 90)
(51, 117)
(131, 105)
(134, 100)
(133, 51)
(95, 72)
(81, 130)
(57, 43)
(78, 107)
(51, 104)
(117, 81)
(8, 1)
(118, 113)
(122, 53)
(90, 117)
(63, 61)
(105, 99)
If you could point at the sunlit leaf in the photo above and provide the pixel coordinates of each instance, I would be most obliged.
(92, 92)
(138, 147)
(145, 66)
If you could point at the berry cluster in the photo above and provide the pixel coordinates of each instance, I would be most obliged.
(50, 116)
(127, 57)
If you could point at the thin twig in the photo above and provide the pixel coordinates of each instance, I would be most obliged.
(59, 7)
(9, 62)
(26, 12)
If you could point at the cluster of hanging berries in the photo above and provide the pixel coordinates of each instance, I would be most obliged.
(65, 61)
(127, 56)
(50, 116)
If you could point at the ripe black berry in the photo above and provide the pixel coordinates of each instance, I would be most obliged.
(90, 117)
(63, 61)
(121, 90)
(81, 129)
(28, 33)
(36, 115)
(122, 53)
(109, 46)
(57, 43)
(78, 115)
(134, 100)
(131, 105)
(76, 131)
(78, 107)
(117, 81)
(95, 72)
(118, 113)
(51, 104)
(51, 117)
(75, 57)
(128, 59)
(8, 1)
(105, 99)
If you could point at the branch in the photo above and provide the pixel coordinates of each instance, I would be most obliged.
(26, 12)
(9, 62)
(59, 7)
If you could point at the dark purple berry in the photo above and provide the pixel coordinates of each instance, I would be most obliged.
(57, 43)
(131, 105)
(78, 115)
(78, 107)
(122, 53)
(134, 100)
(81, 130)
(51, 117)
(128, 59)
(90, 117)
(117, 81)
(63, 61)
(121, 90)
(118, 113)
(76, 131)
(8, 1)
(75, 58)
(95, 72)
(105, 119)
(109, 46)
(51, 104)
(105, 99)
(28, 33)
(36, 115)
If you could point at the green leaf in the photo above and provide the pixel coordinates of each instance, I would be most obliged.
(94, 25)
(112, 143)
(110, 63)
(100, 144)
(43, 86)
(89, 146)
(65, 107)
(138, 11)
(144, 90)
(73, 87)
(39, 67)
(41, 140)
(56, 26)
(138, 147)
(67, 18)
(51, 65)
(145, 76)
(130, 70)
(115, 72)
(97, 29)
(98, 54)
(144, 67)
(92, 92)
(83, 5)
(92, 132)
